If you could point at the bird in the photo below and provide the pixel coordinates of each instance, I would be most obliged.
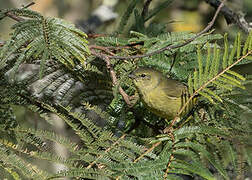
(163, 96)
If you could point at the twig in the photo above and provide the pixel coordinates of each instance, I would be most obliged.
(230, 16)
(170, 47)
(12, 16)
(241, 162)
(168, 166)
(93, 36)
(113, 76)
(149, 150)
(115, 47)
(171, 156)
(105, 49)
(146, 8)
(173, 62)
(107, 150)
(17, 18)
(28, 5)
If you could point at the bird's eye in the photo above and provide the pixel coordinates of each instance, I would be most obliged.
(142, 75)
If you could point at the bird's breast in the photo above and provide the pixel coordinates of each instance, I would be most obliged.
(160, 104)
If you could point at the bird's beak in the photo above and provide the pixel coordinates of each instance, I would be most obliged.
(132, 76)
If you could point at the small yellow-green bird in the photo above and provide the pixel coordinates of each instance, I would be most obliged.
(163, 96)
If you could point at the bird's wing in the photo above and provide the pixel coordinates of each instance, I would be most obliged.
(173, 89)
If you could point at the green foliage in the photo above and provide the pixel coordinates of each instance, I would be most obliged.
(140, 17)
(127, 14)
(45, 38)
(211, 76)
(46, 69)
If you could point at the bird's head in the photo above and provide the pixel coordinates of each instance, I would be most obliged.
(146, 79)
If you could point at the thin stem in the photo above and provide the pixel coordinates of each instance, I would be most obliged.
(107, 150)
(17, 18)
(113, 76)
(171, 156)
(146, 8)
(148, 151)
(28, 5)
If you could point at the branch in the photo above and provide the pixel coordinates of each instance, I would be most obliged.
(105, 49)
(28, 5)
(146, 8)
(170, 47)
(230, 16)
(13, 16)
(148, 151)
(171, 156)
(113, 76)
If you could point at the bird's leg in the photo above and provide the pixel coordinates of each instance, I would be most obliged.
(133, 99)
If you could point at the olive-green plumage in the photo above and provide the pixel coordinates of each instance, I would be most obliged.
(163, 96)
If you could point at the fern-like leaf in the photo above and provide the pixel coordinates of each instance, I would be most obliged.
(50, 38)
(211, 74)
